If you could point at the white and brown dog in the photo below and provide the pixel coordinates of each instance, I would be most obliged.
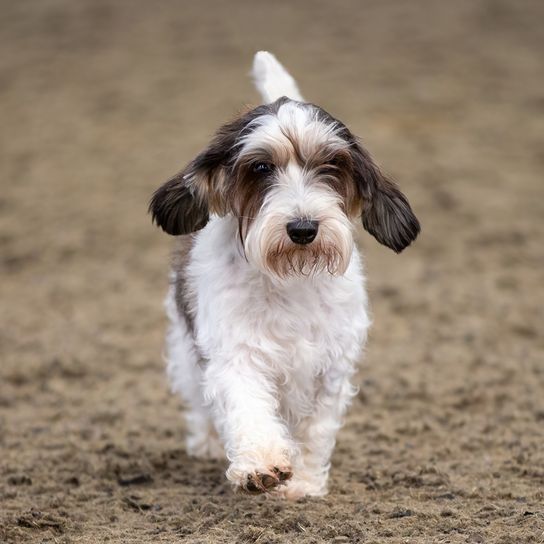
(267, 303)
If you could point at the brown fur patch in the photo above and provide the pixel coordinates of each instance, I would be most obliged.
(336, 170)
(182, 205)
(248, 190)
(290, 259)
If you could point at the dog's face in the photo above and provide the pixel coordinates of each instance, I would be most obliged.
(295, 178)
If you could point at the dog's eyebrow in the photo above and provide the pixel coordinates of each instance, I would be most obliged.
(262, 153)
(269, 147)
(337, 151)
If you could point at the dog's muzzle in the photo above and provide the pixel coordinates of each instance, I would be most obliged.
(302, 231)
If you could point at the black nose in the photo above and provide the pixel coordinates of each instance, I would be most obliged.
(302, 231)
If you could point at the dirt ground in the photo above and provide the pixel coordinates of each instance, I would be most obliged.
(102, 101)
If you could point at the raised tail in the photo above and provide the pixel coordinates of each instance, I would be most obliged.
(272, 79)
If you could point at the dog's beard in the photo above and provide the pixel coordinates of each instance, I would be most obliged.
(268, 246)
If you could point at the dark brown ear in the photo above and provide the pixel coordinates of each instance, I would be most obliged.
(177, 207)
(183, 204)
(386, 213)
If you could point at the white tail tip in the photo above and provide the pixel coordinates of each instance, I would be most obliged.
(272, 79)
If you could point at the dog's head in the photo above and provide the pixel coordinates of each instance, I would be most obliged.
(296, 179)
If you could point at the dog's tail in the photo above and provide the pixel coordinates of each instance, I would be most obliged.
(272, 79)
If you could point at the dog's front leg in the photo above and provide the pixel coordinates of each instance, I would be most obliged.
(317, 435)
(256, 440)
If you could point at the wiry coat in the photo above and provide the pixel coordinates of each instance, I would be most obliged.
(266, 328)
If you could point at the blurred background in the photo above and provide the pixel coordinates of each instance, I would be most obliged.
(101, 101)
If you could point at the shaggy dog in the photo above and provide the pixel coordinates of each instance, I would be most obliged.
(267, 302)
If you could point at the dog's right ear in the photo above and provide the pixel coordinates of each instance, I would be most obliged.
(178, 207)
(184, 203)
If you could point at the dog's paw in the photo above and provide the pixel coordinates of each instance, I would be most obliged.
(298, 488)
(259, 480)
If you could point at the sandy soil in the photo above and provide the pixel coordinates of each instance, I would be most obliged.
(102, 101)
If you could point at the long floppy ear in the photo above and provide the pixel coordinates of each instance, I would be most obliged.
(183, 204)
(386, 212)
(178, 207)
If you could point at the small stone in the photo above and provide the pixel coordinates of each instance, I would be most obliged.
(401, 513)
(19, 479)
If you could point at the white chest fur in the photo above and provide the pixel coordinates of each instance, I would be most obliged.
(295, 331)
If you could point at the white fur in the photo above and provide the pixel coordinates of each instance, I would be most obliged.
(267, 370)
(279, 358)
(299, 121)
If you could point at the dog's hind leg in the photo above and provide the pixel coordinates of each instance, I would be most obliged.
(202, 438)
(184, 369)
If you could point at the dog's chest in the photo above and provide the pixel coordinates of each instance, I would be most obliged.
(317, 329)
(297, 328)
(310, 320)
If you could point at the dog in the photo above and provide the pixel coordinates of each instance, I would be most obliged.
(267, 305)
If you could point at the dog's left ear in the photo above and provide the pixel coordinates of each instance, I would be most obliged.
(386, 212)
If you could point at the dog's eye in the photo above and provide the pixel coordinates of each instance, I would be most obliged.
(263, 168)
